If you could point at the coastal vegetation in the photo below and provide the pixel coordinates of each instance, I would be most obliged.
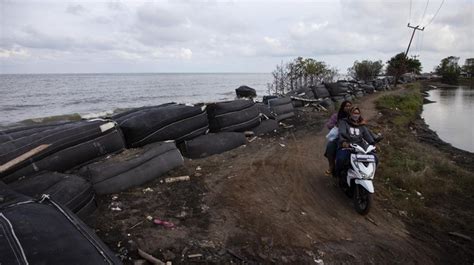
(449, 70)
(301, 72)
(365, 70)
(421, 182)
(400, 64)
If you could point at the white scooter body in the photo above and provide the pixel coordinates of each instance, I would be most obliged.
(363, 167)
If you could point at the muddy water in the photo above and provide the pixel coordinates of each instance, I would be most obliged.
(452, 116)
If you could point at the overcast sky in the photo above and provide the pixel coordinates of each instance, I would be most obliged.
(224, 36)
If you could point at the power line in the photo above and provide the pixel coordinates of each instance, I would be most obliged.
(424, 12)
(435, 13)
(409, 16)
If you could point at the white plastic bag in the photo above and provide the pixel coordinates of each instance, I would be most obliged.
(333, 134)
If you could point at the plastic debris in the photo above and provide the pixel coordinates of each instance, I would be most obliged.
(163, 223)
(175, 179)
(148, 189)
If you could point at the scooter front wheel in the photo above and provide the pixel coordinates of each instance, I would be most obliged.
(362, 200)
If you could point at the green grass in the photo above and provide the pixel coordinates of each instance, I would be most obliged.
(402, 108)
(409, 168)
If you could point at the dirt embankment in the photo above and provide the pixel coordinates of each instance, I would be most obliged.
(267, 202)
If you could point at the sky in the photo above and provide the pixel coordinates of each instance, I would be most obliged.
(225, 36)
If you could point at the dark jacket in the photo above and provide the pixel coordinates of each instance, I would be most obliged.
(352, 132)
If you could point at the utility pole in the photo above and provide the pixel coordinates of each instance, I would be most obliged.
(413, 34)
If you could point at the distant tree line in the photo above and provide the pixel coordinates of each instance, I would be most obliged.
(305, 72)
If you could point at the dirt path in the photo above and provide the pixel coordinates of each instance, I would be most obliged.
(268, 202)
(282, 195)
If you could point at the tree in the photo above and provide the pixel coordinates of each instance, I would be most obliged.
(365, 70)
(449, 70)
(400, 64)
(301, 72)
(468, 67)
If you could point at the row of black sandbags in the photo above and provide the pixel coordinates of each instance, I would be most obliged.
(42, 231)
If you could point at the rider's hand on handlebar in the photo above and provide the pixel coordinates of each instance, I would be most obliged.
(345, 145)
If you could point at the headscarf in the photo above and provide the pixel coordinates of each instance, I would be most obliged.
(341, 114)
(360, 120)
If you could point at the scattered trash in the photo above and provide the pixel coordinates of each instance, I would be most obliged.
(468, 238)
(115, 206)
(418, 193)
(191, 256)
(249, 133)
(169, 263)
(149, 218)
(303, 213)
(371, 220)
(148, 189)
(403, 213)
(114, 197)
(253, 139)
(197, 174)
(282, 145)
(319, 261)
(150, 258)
(163, 223)
(135, 225)
(198, 168)
(176, 179)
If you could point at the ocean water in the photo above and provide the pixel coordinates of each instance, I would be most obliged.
(451, 116)
(30, 96)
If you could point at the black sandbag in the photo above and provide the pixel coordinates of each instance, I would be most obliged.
(267, 98)
(132, 167)
(265, 127)
(297, 103)
(242, 127)
(160, 123)
(70, 157)
(328, 104)
(265, 110)
(282, 109)
(218, 122)
(43, 232)
(219, 108)
(245, 92)
(71, 191)
(320, 91)
(19, 132)
(57, 138)
(285, 116)
(336, 89)
(368, 88)
(213, 143)
(279, 101)
(359, 94)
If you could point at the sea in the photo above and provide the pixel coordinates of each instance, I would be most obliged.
(37, 97)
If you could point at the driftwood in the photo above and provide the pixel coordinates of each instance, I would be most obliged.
(305, 99)
(23, 157)
(150, 258)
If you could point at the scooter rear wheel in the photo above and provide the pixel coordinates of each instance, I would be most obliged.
(362, 200)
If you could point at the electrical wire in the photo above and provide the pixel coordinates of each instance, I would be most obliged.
(409, 16)
(424, 12)
(435, 14)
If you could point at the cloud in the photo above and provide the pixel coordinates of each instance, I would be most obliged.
(163, 35)
(75, 9)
